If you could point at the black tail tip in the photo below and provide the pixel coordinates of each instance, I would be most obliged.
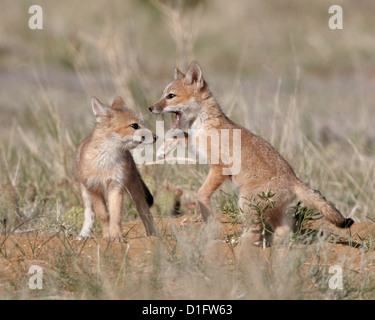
(149, 199)
(347, 223)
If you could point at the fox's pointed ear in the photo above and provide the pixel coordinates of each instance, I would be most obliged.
(178, 74)
(194, 75)
(99, 109)
(118, 103)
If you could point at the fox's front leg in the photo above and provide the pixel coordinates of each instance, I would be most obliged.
(213, 181)
(115, 197)
(170, 145)
(89, 214)
(98, 203)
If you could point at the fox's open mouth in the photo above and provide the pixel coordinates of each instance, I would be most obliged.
(176, 123)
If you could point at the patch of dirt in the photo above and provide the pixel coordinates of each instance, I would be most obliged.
(19, 252)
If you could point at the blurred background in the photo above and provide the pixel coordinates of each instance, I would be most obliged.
(275, 67)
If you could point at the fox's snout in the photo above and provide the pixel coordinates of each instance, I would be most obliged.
(146, 138)
(154, 138)
(156, 108)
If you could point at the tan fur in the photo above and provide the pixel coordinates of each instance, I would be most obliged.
(106, 170)
(262, 167)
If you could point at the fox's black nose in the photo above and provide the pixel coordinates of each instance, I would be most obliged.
(151, 108)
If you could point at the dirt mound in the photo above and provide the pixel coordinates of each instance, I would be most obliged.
(354, 248)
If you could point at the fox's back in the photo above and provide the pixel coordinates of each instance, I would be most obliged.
(260, 160)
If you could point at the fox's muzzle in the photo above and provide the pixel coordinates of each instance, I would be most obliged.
(144, 137)
(154, 138)
(156, 108)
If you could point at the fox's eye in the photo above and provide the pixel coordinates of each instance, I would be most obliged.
(170, 96)
(135, 126)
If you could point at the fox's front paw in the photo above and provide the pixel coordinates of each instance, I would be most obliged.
(117, 239)
(83, 237)
(115, 235)
(166, 148)
(160, 155)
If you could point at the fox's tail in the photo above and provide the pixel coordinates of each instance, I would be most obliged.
(148, 195)
(314, 200)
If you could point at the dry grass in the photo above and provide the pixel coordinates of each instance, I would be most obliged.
(275, 68)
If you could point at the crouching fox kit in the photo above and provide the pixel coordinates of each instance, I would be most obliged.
(262, 168)
(106, 169)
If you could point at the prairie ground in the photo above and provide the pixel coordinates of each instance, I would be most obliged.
(276, 68)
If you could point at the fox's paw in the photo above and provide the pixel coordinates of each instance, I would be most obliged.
(257, 243)
(160, 155)
(83, 237)
(117, 239)
(166, 148)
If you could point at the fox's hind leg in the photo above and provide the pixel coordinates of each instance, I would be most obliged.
(89, 215)
(100, 209)
(253, 235)
(265, 215)
(279, 224)
(273, 222)
(277, 216)
(115, 197)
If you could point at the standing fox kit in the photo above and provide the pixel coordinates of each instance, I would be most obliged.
(262, 168)
(106, 169)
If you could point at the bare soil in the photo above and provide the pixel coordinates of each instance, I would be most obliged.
(19, 252)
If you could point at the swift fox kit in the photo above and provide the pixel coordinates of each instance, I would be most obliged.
(261, 167)
(106, 169)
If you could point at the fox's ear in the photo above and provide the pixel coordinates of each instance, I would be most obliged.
(99, 109)
(118, 103)
(178, 74)
(194, 75)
